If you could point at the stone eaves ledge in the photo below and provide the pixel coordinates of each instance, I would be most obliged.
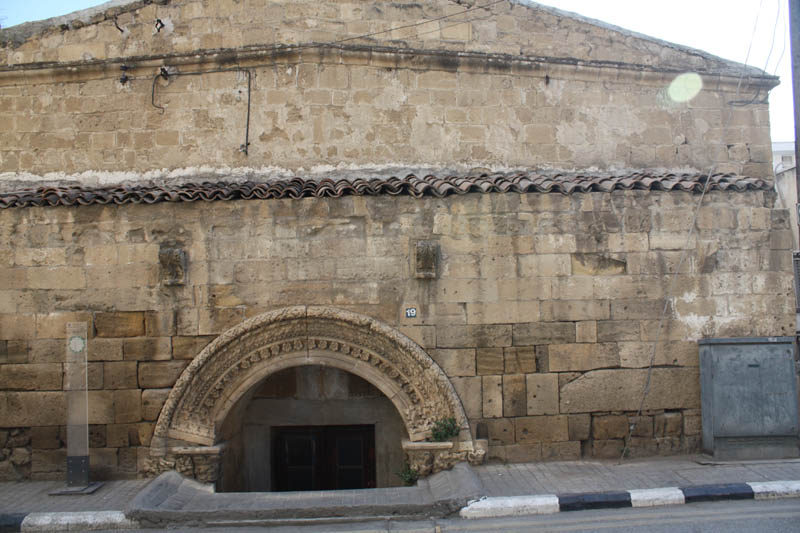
(744, 80)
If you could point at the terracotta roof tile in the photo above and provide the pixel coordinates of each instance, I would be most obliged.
(525, 182)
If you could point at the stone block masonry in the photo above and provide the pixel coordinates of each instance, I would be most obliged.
(561, 380)
(480, 93)
(541, 308)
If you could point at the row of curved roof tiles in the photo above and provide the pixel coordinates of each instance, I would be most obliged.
(410, 185)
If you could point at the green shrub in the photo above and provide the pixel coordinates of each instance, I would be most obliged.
(444, 429)
(408, 475)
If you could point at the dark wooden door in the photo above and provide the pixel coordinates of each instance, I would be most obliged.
(297, 458)
(323, 457)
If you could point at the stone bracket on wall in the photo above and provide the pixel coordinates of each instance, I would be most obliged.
(431, 457)
(198, 462)
(173, 264)
(426, 258)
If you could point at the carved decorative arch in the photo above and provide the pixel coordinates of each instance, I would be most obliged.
(237, 360)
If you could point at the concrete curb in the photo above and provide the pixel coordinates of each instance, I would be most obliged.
(511, 506)
(551, 503)
(712, 493)
(77, 521)
(172, 500)
(485, 508)
(657, 497)
(767, 490)
(11, 521)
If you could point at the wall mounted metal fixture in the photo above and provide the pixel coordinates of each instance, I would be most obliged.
(166, 73)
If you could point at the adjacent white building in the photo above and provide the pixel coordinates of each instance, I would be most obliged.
(783, 156)
(783, 161)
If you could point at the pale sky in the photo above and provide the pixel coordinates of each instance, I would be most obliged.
(725, 28)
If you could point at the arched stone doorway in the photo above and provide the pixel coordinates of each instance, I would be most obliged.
(351, 433)
(188, 436)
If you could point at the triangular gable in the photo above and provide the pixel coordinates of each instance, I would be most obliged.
(143, 28)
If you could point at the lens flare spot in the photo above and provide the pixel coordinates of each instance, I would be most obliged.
(685, 87)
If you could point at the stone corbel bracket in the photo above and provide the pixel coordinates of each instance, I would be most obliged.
(198, 462)
(431, 457)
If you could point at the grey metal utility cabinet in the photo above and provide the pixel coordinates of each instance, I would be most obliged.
(749, 398)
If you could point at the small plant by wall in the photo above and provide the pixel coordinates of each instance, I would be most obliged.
(444, 429)
(408, 475)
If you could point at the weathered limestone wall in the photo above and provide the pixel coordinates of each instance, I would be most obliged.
(321, 112)
(396, 102)
(509, 27)
(543, 311)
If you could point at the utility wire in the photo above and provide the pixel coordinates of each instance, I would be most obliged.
(411, 25)
(670, 293)
(165, 74)
(783, 49)
(414, 24)
(460, 22)
(245, 146)
(753, 35)
(774, 32)
(389, 30)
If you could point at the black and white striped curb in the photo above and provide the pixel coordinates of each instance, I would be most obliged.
(551, 503)
(494, 507)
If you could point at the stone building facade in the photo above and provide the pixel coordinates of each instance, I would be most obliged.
(481, 211)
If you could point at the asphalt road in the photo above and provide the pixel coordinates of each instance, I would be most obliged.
(740, 516)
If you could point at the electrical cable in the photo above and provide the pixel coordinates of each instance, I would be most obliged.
(245, 147)
(372, 34)
(783, 49)
(670, 293)
(364, 36)
(774, 32)
(164, 73)
(473, 19)
(753, 35)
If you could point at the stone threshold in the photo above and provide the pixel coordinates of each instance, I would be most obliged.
(173, 500)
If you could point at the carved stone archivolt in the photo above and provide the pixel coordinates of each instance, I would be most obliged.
(228, 368)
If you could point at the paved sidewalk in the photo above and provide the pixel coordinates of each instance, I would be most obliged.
(606, 476)
(498, 481)
(33, 497)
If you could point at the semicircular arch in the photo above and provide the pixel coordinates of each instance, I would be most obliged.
(243, 356)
